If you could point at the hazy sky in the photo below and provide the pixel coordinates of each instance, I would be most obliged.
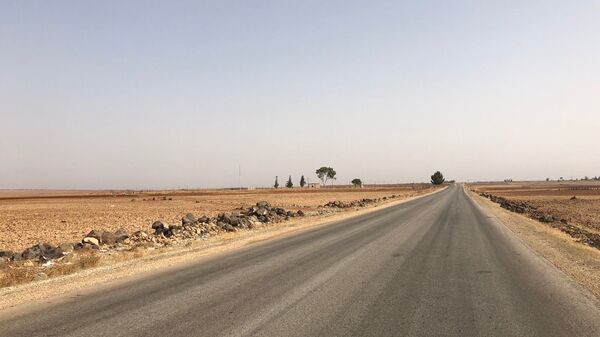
(152, 94)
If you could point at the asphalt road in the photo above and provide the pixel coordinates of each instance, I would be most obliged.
(435, 266)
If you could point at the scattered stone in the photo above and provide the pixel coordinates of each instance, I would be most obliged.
(350, 204)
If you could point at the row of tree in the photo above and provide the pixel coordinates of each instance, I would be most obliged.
(289, 183)
(326, 173)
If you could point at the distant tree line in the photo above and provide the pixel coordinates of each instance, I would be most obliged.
(586, 178)
(326, 173)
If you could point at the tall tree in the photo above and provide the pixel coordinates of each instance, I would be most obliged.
(326, 173)
(276, 185)
(289, 183)
(437, 178)
(302, 181)
(356, 182)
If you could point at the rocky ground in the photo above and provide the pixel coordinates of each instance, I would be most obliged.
(43, 259)
(577, 232)
(29, 217)
(577, 202)
(571, 207)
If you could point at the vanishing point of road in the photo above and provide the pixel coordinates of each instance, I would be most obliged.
(434, 266)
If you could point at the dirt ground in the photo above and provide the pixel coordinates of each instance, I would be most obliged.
(555, 198)
(30, 217)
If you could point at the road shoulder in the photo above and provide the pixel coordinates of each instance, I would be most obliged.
(580, 262)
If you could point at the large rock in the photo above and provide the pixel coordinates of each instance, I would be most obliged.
(189, 219)
(121, 235)
(547, 218)
(139, 236)
(8, 255)
(108, 238)
(158, 227)
(42, 252)
(90, 240)
(263, 204)
(228, 227)
(225, 218)
(94, 233)
(261, 211)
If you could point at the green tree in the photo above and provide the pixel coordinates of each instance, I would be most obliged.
(325, 174)
(356, 182)
(302, 181)
(289, 183)
(437, 178)
(276, 185)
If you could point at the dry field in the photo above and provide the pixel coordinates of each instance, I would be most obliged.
(30, 217)
(555, 198)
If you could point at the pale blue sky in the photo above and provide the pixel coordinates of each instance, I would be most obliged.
(153, 94)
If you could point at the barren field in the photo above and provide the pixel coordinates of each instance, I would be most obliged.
(30, 217)
(555, 198)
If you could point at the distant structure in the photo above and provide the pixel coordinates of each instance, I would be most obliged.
(313, 185)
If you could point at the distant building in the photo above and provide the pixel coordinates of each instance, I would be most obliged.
(313, 185)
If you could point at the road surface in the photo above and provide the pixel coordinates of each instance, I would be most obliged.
(435, 266)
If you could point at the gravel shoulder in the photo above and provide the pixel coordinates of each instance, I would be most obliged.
(111, 273)
(580, 262)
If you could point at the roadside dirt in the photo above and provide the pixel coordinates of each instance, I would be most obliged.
(112, 271)
(580, 262)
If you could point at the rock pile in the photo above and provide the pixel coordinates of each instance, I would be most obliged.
(42, 252)
(531, 211)
(356, 203)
